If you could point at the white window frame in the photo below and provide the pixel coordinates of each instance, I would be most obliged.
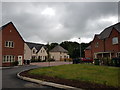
(115, 40)
(96, 44)
(41, 51)
(8, 58)
(9, 44)
(34, 51)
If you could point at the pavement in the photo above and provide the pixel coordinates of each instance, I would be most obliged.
(45, 64)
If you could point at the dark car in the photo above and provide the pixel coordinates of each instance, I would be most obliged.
(76, 60)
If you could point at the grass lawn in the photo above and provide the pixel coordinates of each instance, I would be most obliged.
(83, 72)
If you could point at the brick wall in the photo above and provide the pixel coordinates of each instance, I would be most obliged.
(105, 45)
(9, 33)
(88, 53)
(99, 48)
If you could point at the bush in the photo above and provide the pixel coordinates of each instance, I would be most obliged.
(50, 60)
(107, 61)
(15, 63)
(96, 61)
(36, 60)
(115, 62)
(43, 61)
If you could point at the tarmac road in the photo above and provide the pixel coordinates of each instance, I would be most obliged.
(11, 82)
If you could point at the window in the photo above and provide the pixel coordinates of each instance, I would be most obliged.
(8, 58)
(64, 56)
(40, 57)
(60, 56)
(115, 40)
(43, 57)
(33, 57)
(96, 45)
(9, 44)
(4, 58)
(12, 44)
(52, 57)
(33, 51)
(6, 44)
(118, 54)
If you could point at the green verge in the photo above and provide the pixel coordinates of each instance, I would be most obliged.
(83, 72)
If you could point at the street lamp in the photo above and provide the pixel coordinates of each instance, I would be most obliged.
(48, 54)
(80, 46)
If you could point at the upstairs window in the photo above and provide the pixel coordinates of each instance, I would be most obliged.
(115, 40)
(96, 45)
(9, 44)
(34, 51)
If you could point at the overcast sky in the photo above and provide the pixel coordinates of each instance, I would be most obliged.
(56, 22)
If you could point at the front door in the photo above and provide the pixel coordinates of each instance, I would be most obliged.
(19, 60)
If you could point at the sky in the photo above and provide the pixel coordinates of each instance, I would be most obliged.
(43, 22)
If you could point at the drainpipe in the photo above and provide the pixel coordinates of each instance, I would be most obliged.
(110, 55)
(104, 44)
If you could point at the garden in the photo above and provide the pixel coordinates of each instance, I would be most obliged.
(78, 75)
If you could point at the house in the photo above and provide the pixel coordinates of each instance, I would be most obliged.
(34, 51)
(58, 53)
(105, 44)
(11, 45)
(88, 52)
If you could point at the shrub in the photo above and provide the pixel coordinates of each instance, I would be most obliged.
(96, 61)
(50, 60)
(15, 63)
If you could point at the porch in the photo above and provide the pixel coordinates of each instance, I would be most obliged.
(100, 55)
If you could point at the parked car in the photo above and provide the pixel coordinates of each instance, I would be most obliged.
(87, 60)
(76, 60)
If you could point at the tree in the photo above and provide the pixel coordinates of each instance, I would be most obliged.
(52, 45)
(74, 48)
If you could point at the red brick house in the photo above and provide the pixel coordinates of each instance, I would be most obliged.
(106, 44)
(88, 52)
(11, 45)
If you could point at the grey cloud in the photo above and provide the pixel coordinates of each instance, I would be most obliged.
(76, 19)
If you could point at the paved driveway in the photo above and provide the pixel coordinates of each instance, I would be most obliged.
(10, 80)
(43, 64)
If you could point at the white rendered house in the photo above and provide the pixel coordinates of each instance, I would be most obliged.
(59, 53)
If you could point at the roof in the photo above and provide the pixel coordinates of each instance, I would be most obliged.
(36, 45)
(88, 48)
(5, 25)
(58, 49)
(106, 32)
(1, 28)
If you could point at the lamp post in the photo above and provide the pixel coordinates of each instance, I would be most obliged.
(48, 55)
(80, 46)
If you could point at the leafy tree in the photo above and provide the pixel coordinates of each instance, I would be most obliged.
(74, 48)
(52, 45)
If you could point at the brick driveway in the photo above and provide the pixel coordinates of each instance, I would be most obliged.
(50, 63)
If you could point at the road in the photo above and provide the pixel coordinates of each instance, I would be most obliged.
(10, 80)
